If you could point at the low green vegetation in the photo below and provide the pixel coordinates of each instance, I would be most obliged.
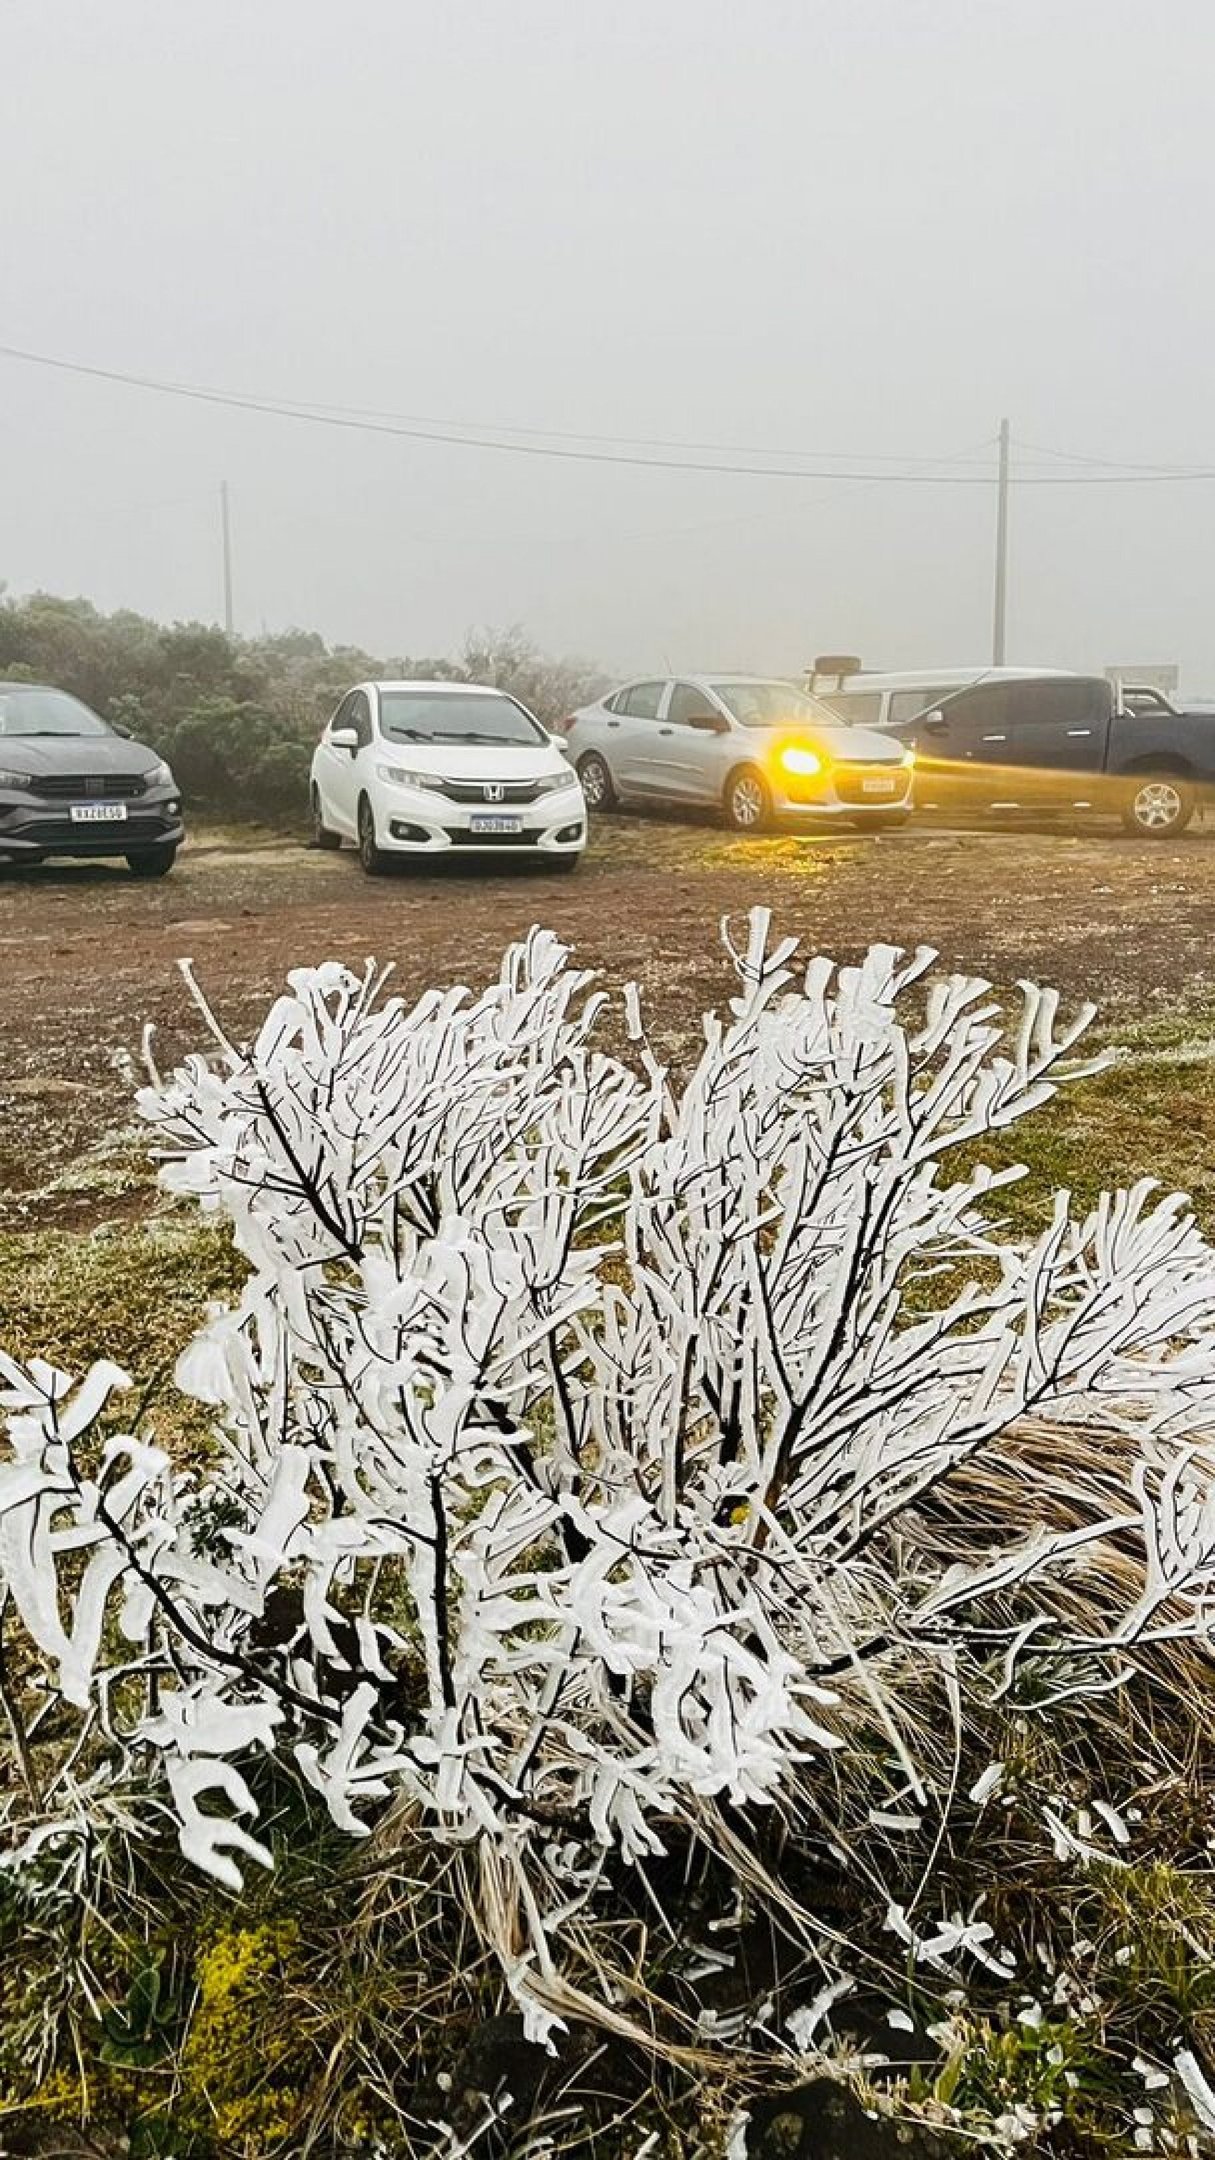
(133, 1292)
(238, 718)
(1150, 1114)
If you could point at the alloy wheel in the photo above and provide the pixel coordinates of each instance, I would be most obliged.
(748, 802)
(596, 783)
(369, 853)
(1157, 806)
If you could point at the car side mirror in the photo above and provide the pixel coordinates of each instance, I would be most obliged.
(709, 723)
(344, 738)
(117, 729)
(558, 742)
(934, 723)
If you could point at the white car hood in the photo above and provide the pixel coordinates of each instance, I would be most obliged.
(473, 761)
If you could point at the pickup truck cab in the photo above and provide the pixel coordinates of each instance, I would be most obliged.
(1001, 739)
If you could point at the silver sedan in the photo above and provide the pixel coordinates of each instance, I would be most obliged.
(755, 749)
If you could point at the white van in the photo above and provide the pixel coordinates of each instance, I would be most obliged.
(890, 701)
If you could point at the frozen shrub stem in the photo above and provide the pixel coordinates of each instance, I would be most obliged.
(583, 1431)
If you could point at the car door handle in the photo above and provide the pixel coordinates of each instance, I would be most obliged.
(995, 738)
(666, 731)
(1076, 732)
(613, 723)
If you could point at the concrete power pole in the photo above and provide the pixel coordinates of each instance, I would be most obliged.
(226, 531)
(999, 616)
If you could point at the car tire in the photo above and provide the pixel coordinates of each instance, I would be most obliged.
(747, 803)
(371, 855)
(1158, 806)
(153, 862)
(597, 784)
(322, 837)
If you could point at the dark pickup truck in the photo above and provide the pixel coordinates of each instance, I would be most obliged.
(1060, 742)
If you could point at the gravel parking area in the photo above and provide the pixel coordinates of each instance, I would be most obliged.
(87, 955)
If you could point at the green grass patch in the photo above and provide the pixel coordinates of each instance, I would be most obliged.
(1150, 1115)
(135, 1293)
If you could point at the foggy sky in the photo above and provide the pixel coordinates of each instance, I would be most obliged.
(870, 226)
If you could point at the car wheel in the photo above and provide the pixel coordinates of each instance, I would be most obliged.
(322, 837)
(153, 862)
(1159, 806)
(371, 855)
(597, 784)
(748, 801)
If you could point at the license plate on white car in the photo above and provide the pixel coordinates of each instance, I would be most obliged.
(98, 813)
(881, 785)
(496, 824)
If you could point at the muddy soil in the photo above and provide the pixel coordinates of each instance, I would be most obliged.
(87, 955)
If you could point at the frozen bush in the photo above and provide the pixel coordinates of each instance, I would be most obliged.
(582, 1428)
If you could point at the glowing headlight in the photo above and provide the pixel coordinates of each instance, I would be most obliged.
(803, 762)
(401, 776)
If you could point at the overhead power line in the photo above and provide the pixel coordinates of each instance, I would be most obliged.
(1125, 466)
(316, 408)
(447, 433)
(907, 472)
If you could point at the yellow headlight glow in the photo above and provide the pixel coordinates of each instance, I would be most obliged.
(797, 759)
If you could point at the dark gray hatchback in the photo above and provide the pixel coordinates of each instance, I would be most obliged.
(70, 784)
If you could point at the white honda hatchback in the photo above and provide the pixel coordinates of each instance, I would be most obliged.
(444, 769)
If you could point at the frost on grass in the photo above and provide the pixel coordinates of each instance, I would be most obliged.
(587, 1435)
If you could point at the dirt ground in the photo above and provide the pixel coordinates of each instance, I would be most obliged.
(87, 955)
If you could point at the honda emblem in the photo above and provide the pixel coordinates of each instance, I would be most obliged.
(494, 791)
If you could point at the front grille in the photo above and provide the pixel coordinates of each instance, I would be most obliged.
(111, 839)
(88, 787)
(460, 836)
(492, 791)
(850, 782)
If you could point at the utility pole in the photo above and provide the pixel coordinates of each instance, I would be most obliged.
(225, 527)
(997, 632)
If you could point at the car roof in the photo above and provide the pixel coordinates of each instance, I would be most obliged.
(702, 680)
(727, 678)
(923, 678)
(417, 682)
(39, 686)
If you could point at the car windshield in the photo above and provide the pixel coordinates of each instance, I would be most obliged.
(475, 716)
(774, 704)
(45, 712)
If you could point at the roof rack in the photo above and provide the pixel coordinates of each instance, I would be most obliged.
(837, 664)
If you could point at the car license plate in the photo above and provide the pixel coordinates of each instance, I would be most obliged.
(497, 824)
(882, 785)
(99, 813)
